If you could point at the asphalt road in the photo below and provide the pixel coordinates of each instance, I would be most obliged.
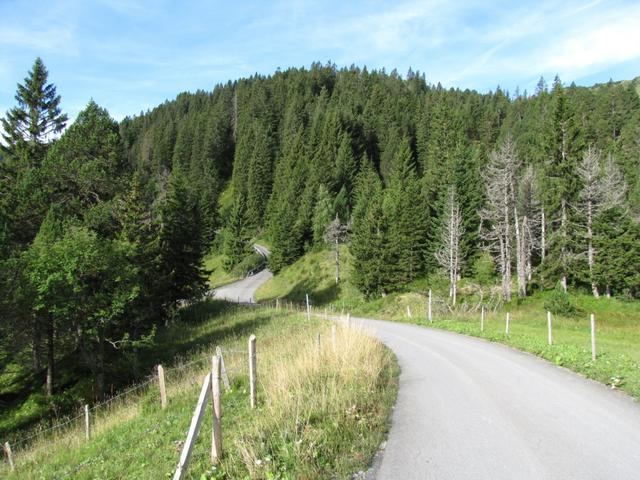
(243, 290)
(471, 409)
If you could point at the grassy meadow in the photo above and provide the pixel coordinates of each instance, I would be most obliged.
(617, 320)
(322, 413)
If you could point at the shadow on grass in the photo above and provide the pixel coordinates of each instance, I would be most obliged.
(318, 297)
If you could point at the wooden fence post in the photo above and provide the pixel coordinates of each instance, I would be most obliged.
(7, 450)
(349, 320)
(482, 318)
(223, 369)
(163, 389)
(87, 423)
(549, 334)
(409, 312)
(194, 428)
(318, 344)
(429, 314)
(252, 370)
(507, 324)
(277, 304)
(216, 430)
(308, 308)
(593, 337)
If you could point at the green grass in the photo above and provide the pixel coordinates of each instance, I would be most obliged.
(314, 274)
(618, 321)
(218, 276)
(321, 414)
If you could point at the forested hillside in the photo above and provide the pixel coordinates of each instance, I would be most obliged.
(425, 178)
(103, 225)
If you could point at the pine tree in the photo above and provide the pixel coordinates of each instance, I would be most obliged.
(28, 128)
(406, 213)
(372, 263)
(180, 243)
(237, 233)
(323, 214)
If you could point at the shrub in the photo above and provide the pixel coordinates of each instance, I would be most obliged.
(559, 303)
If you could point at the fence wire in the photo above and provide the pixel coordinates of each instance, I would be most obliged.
(75, 425)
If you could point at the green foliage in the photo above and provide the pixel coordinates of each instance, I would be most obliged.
(27, 127)
(484, 269)
(559, 303)
(322, 215)
(617, 243)
(180, 243)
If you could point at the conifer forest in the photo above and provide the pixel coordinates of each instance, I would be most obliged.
(104, 224)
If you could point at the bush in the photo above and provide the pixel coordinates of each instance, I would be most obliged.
(559, 303)
(484, 269)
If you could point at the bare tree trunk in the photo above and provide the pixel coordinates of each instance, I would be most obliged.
(448, 255)
(520, 255)
(591, 250)
(506, 280)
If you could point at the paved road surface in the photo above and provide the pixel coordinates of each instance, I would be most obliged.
(244, 290)
(470, 409)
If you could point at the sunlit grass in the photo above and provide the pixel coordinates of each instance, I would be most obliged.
(322, 411)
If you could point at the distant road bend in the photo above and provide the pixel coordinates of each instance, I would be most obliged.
(471, 409)
(243, 291)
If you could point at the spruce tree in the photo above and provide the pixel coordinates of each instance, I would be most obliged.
(407, 216)
(180, 243)
(27, 128)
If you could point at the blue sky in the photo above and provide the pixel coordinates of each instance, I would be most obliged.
(131, 55)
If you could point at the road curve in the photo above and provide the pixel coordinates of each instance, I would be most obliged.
(242, 291)
(471, 409)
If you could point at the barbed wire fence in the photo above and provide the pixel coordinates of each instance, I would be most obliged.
(74, 431)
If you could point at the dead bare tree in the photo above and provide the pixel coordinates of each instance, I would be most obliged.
(527, 217)
(497, 216)
(448, 256)
(603, 187)
(335, 234)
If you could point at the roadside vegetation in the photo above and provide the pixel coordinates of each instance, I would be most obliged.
(618, 320)
(321, 414)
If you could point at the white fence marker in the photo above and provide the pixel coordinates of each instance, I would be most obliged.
(507, 323)
(549, 334)
(482, 319)
(429, 314)
(7, 450)
(87, 423)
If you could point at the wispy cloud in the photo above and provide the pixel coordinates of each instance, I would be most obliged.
(133, 54)
(52, 39)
